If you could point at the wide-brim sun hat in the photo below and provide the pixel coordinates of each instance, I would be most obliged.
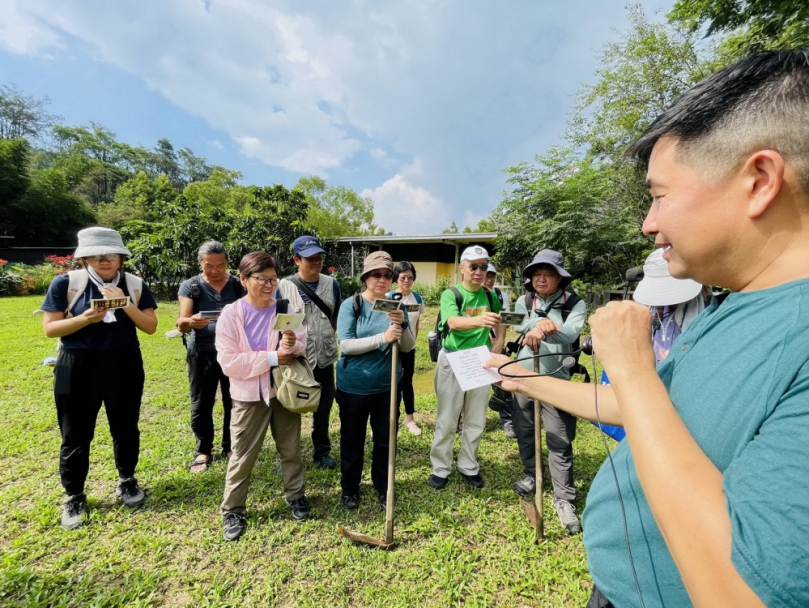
(551, 258)
(378, 260)
(98, 241)
(659, 288)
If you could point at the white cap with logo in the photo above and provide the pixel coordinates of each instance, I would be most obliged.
(475, 252)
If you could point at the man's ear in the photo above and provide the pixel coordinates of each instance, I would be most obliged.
(762, 176)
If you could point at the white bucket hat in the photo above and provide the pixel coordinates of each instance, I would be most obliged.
(659, 288)
(491, 268)
(98, 241)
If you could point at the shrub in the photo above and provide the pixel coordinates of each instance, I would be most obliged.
(431, 294)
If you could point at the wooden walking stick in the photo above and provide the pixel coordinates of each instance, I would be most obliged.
(387, 543)
(533, 510)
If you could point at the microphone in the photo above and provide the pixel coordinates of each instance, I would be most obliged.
(633, 275)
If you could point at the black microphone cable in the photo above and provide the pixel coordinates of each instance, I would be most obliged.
(569, 362)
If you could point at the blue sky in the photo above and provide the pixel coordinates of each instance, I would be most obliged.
(418, 105)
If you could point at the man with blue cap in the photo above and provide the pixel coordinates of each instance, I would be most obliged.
(318, 297)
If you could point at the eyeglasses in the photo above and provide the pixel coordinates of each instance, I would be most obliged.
(474, 267)
(110, 257)
(262, 281)
(406, 278)
(378, 276)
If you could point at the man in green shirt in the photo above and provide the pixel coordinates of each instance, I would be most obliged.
(468, 327)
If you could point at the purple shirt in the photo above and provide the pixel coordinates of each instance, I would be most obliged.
(664, 331)
(257, 324)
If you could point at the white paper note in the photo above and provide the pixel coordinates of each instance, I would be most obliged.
(467, 365)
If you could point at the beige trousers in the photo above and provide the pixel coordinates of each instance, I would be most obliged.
(451, 401)
(248, 427)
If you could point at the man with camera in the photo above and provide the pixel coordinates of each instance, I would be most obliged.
(469, 312)
(318, 297)
(554, 320)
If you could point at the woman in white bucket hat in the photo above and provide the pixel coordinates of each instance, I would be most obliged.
(99, 362)
(674, 303)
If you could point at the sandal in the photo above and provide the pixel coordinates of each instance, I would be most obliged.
(413, 427)
(200, 460)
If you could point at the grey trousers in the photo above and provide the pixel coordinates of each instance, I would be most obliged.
(248, 427)
(560, 431)
(451, 402)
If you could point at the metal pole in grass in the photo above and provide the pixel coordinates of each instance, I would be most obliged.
(533, 510)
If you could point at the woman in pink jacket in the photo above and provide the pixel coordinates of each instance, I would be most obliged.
(247, 350)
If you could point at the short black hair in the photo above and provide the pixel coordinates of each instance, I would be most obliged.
(759, 102)
(404, 267)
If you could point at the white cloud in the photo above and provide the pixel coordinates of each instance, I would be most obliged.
(402, 208)
(23, 34)
(458, 89)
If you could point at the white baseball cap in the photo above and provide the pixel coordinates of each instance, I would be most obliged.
(491, 268)
(659, 288)
(475, 252)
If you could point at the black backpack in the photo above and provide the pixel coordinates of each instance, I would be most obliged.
(436, 340)
(571, 299)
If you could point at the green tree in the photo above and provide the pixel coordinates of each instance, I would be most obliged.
(752, 25)
(638, 77)
(22, 116)
(136, 199)
(568, 204)
(220, 189)
(452, 229)
(337, 211)
(164, 250)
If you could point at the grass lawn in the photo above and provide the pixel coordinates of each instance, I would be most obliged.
(460, 546)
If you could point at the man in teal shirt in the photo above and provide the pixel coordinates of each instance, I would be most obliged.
(467, 326)
(713, 473)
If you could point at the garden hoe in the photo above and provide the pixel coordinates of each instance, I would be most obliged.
(387, 543)
(533, 509)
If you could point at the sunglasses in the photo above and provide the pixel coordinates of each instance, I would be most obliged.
(474, 267)
(110, 257)
(406, 278)
(378, 276)
(272, 281)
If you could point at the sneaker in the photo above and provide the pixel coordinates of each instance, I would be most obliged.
(234, 526)
(476, 481)
(74, 512)
(437, 482)
(129, 492)
(567, 515)
(300, 508)
(326, 462)
(508, 431)
(525, 487)
(350, 501)
(413, 427)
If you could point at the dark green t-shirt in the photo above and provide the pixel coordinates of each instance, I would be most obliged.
(473, 304)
